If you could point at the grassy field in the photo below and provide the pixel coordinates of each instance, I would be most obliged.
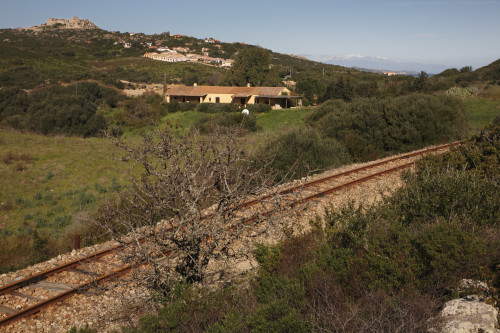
(483, 109)
(48, 183)
(278, 120)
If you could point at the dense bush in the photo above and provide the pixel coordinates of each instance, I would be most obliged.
(71, 110)
(461, 92)
(481, 153)
(384, 268)
(390, 125)
(302, 151)
(140, 111)
(216, 108)
(208, 124)
(258, 108)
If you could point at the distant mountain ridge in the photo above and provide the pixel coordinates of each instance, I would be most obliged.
(379, 64)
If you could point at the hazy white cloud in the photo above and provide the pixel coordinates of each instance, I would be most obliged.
(359, 56)
(445, 3)
(345, 57)
(426, 35)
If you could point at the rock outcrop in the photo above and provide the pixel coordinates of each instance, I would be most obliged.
(473, 312)
(469, 314)
(74, 23)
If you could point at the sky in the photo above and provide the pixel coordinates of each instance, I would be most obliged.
(451, 33)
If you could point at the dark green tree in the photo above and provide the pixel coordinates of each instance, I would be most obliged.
(342, 89)
(252, 65)
(421, 82)
(312, 89)
(466, 69)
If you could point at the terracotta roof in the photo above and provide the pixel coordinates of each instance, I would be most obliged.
(274, 96)
(238, 91)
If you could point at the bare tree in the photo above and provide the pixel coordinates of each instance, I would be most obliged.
(182, 210)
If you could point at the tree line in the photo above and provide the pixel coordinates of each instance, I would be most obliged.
(339, 132)
(70, 110)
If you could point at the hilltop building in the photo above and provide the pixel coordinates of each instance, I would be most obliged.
(74, 23)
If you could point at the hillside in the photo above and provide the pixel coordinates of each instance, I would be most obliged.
(79, 157)
(52, 54)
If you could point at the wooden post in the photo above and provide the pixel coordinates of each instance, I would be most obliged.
(77, 242)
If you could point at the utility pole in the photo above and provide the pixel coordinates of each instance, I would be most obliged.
(164, 87)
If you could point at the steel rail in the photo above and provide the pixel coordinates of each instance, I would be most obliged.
(69, 265)
(60, 268)
(120, 271)
(331, 190)
(59, 297)
(346, 173)
(351, 183)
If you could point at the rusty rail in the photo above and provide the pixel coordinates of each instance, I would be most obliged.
(59, 297)
(124, 269)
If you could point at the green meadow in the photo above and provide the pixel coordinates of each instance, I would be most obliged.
(49, 182)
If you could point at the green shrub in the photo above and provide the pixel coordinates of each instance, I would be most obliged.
(390, 125)
(301, 152)
(100, 188)
(83, 199)
(85, 329)
(259, 108)
(71, 110)
(217, 108)
(278, 317)
(208, 124)
(62, 221)
(115, 186)
(461, 92)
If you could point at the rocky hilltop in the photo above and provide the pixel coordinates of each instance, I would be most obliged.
(74, 23)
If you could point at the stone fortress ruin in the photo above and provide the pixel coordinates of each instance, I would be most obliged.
(74, 23)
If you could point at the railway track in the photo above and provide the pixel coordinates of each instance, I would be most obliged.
(26, 296)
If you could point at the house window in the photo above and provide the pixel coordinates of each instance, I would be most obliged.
(217, 99)
(210, 99)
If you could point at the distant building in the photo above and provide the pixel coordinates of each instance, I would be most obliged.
(276, 97)
(74, 23)
(170, 57)
(181, 49)
(211, 40)
(227, 63)
(151, 55)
